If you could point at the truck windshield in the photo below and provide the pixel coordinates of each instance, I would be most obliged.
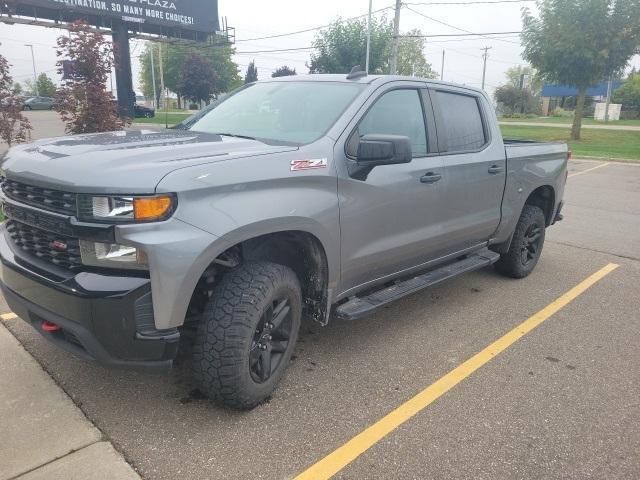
(280, 112)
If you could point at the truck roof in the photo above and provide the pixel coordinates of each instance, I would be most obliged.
(365, 79)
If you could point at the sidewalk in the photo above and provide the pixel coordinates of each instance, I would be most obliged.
(44, 435)
(633, 128)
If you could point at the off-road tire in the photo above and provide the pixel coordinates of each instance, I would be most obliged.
(225, 336)
(512, 264)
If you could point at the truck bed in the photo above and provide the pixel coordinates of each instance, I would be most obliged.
(530, 149)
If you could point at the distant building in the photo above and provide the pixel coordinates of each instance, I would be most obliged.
(554, 96)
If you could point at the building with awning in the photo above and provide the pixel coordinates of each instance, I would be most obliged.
(557, 96)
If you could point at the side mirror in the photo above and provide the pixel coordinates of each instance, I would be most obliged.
(374, 150)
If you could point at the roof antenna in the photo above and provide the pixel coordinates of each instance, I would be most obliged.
(356, 72)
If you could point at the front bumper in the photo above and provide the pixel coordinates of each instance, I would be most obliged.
(103, 317)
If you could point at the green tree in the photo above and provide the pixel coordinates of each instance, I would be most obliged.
(29, 87)
(411, 59)
(197, 80)
(83, 101)
(514, 99)
(343, 45)
(46, 87)
(514, 74)
(14, 126)
(220, 58)
(283, 71)
(227, 73)
(629, 93)
(581, 42)
(252, 73)
(16, 88)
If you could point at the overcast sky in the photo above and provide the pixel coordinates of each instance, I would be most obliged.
(253, 18)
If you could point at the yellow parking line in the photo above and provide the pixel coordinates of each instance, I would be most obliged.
(347, 453)
(8, 316)
(589, 169)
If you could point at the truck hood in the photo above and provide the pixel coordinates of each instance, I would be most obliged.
(123, 162)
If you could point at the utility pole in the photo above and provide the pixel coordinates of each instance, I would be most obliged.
(606, 108)
(35, 77)
(396, 39)
(153, 78)
(442, 68)
(366, 68)
(485, 55)
(124, 83)
(164, 93)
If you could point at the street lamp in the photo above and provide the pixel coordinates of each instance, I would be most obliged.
(35, 77)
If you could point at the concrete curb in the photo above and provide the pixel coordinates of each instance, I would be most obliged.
(44, 434)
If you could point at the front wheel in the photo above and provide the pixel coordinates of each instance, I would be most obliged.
(526, 244)
(247, 334)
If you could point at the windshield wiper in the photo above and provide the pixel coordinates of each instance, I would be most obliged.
(236, 136)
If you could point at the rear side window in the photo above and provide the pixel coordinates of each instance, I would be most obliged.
(398, 112)
(462, 121)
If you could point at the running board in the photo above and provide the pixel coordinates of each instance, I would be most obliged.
(358, 307)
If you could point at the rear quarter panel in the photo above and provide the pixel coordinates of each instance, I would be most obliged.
(530, 166)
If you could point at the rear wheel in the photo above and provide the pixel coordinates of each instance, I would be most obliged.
(526, 245)
(247, 334)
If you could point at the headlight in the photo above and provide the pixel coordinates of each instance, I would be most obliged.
(112, 255)
(125, 209)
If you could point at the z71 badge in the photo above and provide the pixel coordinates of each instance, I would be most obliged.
(297, 165)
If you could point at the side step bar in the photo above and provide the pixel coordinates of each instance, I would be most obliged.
(358, 307)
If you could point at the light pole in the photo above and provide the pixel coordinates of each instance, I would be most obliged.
(485, 55)
(396, 39)
(35, 77)
(366, 68)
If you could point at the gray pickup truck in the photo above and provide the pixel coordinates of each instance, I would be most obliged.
(318, 196)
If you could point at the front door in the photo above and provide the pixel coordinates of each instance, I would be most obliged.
(390, 219)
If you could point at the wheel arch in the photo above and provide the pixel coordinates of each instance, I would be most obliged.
(542, 196)
(545, 198)
(299, 249)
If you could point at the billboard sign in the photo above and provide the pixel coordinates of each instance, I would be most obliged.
(146, 15)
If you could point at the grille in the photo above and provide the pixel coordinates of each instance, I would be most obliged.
(41, 244)
(45, 198)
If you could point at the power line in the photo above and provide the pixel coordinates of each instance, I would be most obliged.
(312, 29)
(471, 2)
(311, 47)
(276, 50)
(469, 34)
(458, 28)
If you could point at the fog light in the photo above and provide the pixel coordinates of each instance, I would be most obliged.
(112, 255)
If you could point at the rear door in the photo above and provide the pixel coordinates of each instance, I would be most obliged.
(390, 217)
(474, 166)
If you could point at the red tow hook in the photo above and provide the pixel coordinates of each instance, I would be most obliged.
(50, 326)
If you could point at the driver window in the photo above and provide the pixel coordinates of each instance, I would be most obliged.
(398, 112)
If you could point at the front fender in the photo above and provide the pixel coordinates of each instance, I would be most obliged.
(223, 204)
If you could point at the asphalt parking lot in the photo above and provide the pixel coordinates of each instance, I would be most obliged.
(561, 402)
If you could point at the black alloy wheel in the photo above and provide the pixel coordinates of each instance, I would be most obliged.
(526, 244)
(271, 340)
(530, 244)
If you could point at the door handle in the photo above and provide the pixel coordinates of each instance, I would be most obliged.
(430, 177)
(495, 169)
